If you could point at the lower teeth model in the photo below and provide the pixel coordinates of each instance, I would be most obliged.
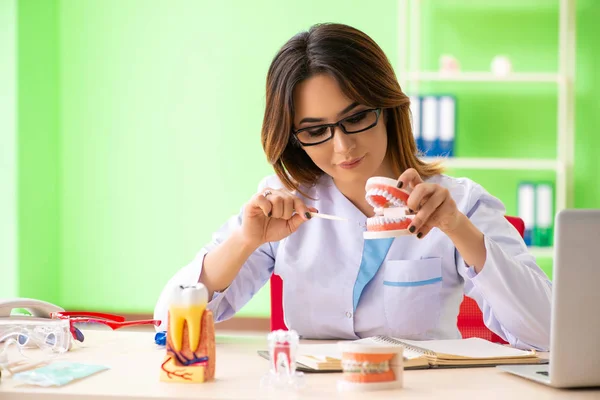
(391, 213)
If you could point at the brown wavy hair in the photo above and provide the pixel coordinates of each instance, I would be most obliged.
(364, 74)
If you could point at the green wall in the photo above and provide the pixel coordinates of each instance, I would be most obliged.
(587, 118)
(39, 153)
(128, 116)
(153, 101)
(8, 145)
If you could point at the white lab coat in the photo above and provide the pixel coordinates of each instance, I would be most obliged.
(415, 293)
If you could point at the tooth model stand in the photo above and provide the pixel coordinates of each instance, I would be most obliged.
(392, 217)
(190, 343)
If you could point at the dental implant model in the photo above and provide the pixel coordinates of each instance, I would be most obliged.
(392, 217)
(190, 343)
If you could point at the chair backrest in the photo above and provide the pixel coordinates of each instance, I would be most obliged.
(470, 318)
(518, 223)
(277, 321)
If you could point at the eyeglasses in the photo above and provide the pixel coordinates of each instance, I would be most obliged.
(355, 123)
(39, 340)
(35, 340)
(112, 321)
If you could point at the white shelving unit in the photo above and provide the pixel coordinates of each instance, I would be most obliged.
(411, 75)
(542, 251)
(500, 163)
(482, 77)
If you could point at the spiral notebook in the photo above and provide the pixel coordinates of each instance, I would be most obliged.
(472, 352)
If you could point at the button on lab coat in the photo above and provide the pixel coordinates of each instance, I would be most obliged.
(414, 293)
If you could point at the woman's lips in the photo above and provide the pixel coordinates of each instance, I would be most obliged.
(351, 164)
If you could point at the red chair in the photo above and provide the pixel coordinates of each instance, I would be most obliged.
(469, 322)
(470, 318)
(277, 321)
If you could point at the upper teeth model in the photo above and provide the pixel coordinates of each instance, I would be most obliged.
(391, 214)
(186, 307)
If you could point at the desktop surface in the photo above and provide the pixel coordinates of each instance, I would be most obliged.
(134, 361)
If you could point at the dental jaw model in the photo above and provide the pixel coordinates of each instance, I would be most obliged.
(190, 343)
(370, 367)
(391, 213)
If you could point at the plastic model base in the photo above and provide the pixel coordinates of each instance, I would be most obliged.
(282, 382)
(386, 234)
(344, 386)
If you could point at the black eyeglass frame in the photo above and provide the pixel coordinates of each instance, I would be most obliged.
(336, 124)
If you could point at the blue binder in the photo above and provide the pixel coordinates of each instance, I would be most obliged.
(544, 217)
(447, 126)
(415, 110)
(430, 125)
(526, 206)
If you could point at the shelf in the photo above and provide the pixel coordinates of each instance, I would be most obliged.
(414, 69)
(541, 77)
(542, 252)
(497, 163)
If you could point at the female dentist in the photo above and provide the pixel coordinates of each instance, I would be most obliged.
(335, 117)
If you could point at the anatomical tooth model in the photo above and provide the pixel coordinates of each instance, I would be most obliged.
(282, 374)
(392, 217)
(190, 343)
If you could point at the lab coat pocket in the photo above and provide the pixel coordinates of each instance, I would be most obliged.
(412, 295)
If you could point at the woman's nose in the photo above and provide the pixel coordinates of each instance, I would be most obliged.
(342, 143)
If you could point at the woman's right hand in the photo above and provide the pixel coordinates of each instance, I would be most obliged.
(272, 215)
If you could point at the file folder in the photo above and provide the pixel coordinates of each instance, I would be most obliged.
(430, 125)
(543, 232)
(526, 209)
(415, 110)
(447, 126)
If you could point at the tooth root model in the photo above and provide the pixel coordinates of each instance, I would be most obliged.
(190, 354)
(391, 213)
(282, 351)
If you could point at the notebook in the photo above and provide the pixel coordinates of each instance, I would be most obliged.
(472, 352)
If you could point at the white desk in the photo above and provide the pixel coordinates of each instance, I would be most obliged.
(135, 360)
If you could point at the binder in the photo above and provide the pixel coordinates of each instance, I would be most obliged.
(543, 232)
(415, 110)
(526, 209)
(447, 126)
(430, 125)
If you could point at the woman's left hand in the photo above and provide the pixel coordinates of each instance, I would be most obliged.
(432, 203)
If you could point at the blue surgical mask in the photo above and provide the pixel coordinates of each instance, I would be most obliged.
(58, 373)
